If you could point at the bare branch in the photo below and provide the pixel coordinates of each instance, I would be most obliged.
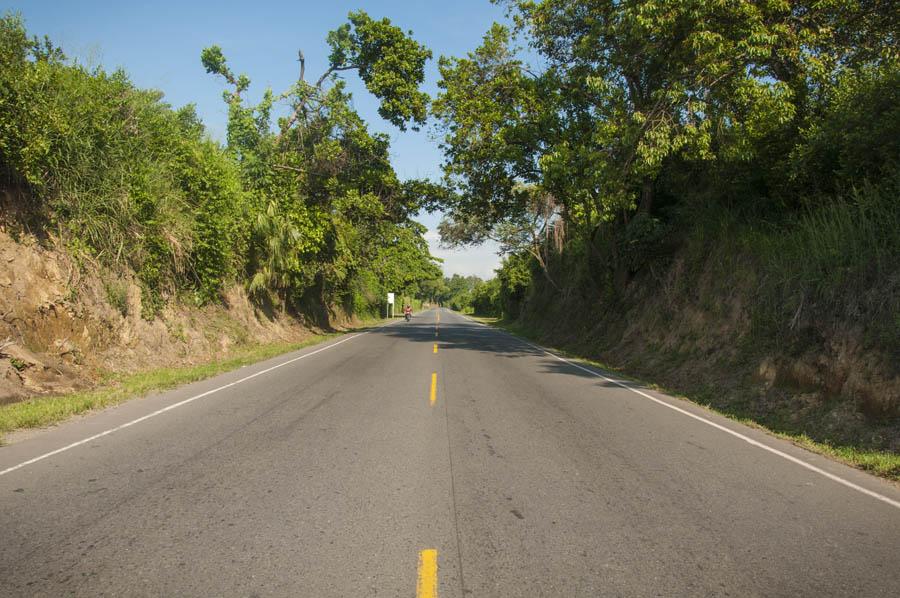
(333, 70)
(302, 106)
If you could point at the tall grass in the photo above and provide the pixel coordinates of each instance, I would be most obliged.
(836, 260)
(840, 258)
(852, 237)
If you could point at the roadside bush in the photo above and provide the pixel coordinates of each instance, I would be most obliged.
(309, 218)
(515, 277)
(220, 217)
(119, 173)
(486, 298)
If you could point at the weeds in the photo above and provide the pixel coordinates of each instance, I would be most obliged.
(826, 257)
(117, 295)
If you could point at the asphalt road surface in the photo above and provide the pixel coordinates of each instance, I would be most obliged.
(436, 457)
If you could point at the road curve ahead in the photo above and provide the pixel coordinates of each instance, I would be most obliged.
(432, 458)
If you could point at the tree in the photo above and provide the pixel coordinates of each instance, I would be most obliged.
(537, 229)
(486, 298)
(624, 91)
(490, 113)
(390, 63)
(330, 208)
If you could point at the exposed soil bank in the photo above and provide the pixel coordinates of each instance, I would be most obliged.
(65, 324)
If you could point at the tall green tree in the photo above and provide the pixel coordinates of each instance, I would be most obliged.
(624, 94)
(330, 206)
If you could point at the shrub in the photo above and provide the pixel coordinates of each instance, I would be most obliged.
(120, 174)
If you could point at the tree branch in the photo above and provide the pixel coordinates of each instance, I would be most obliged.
(286, 167)
(300, 107)
(333, 70)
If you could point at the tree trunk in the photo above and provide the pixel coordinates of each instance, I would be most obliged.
(646, 203)
(590, 241)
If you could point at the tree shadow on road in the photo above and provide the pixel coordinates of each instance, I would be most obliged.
(468, 337)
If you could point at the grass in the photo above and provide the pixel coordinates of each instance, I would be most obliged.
(881, 463)
(44, 411)
(836, 259)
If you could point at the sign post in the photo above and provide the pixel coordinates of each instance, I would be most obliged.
(389, 308)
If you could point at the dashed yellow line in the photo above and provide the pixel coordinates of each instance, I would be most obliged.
(426, 586)
(435, 347)
(433, 397)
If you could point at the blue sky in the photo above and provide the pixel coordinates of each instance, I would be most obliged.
(159, 43)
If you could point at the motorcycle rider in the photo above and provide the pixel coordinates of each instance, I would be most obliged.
(407, 311)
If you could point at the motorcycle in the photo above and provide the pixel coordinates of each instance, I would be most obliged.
(408, 316)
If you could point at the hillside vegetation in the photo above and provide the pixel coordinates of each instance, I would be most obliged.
(134, 238)
(703, 194)
(308, 208)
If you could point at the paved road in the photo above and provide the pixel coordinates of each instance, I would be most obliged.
(340, 472)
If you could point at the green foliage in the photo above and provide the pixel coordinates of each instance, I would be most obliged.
(486, 298)
(838, 261)
(101, 156)
(492, 116)
(638, 242)
(637, 110)
(626, 90)
(858, 136)
(309, 215)
(721, 169)
(117, 295)
(455, 292)
(332, 219)
(515, 276)
(390, 63)
(467, 294)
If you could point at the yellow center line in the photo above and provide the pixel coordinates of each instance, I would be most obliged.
(435, 347)
(433, 396)
(426, 586)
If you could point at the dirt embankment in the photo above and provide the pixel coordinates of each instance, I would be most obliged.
(64, 324)
(820, 374)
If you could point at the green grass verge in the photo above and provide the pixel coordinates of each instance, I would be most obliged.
(117, 388)
(881, 463)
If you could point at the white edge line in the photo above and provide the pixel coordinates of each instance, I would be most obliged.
(725, 429)
(178, 404)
